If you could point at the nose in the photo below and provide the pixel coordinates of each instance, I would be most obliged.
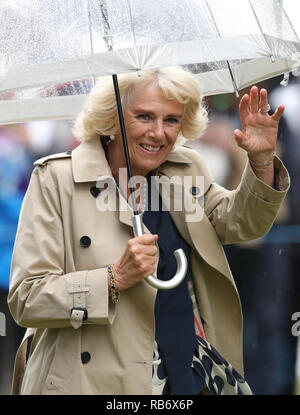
(158, 130)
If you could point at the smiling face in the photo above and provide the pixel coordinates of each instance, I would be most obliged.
(152, 124)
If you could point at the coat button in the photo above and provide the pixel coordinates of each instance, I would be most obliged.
(85, 241)
(94, 191)
(85, 357)
(195, 190)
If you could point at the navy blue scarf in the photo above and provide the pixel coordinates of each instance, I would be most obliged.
(175, 331)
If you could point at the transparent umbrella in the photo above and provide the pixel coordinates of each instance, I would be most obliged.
(51, 51)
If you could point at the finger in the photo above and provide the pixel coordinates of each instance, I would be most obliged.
(254, 100)
(148, 270)
(239, 136)
(148, 250)
(145, 239)
(145, 266)
(263, 100)
(278, 113)
(244, 107)
(149, 260)
(154, 260)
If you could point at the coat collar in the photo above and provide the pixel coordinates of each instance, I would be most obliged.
(89, 163)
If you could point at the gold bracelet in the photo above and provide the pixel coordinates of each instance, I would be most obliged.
(115, 295)
(262, 166)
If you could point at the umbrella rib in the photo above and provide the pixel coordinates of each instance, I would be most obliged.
(261, 30)
(89, 16)
(107, 32)
(228, 64)
(131, 28)
(290, 23)
(90, 25)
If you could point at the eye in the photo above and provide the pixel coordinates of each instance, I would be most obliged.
(172, 120)
(144, 117)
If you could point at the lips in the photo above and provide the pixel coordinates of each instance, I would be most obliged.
(151, 148)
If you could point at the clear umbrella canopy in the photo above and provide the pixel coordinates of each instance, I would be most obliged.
(51, 51)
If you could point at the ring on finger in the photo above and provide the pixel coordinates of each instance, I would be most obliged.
(266, 110)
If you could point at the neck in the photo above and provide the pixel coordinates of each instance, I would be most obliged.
(117, 161)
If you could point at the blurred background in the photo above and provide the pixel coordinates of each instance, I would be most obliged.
(265, 271)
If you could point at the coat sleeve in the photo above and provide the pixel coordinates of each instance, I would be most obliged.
(41, 294)
(248, 212)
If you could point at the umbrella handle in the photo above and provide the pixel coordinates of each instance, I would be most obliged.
(179, 255)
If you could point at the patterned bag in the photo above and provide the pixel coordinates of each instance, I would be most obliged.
(217, 375)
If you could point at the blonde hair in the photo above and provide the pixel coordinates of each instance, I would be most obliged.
(100, 116)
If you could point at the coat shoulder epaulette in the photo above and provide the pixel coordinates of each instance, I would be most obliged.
(46, 159)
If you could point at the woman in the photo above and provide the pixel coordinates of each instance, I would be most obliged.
(78, 272)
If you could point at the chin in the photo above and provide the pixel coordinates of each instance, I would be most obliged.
(145, 169)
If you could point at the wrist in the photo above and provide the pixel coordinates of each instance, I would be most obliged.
(262, 161)
(114, 293)
(118, 280)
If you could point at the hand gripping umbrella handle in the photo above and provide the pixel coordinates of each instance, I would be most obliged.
(180, 258)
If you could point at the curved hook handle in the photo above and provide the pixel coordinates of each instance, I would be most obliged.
(180, 258)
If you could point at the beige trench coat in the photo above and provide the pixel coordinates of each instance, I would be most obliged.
(54, 270)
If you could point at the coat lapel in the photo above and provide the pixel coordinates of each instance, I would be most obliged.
(200, 234)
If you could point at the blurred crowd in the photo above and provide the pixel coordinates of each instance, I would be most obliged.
(265, 270)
